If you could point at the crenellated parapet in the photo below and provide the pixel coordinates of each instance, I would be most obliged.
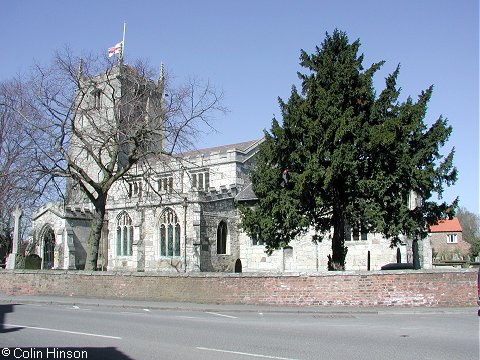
(222, 193)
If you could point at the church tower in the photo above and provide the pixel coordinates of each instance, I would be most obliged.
(116, 115)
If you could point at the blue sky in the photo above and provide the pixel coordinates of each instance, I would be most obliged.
(250, 50)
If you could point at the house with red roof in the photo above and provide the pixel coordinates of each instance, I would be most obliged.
(447, 241)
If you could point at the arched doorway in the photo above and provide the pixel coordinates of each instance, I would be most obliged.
(238, 266)
(48, 240)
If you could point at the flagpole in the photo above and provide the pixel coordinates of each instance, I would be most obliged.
(123, 38)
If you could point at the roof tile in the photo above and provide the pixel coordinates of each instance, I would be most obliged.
(452, 225)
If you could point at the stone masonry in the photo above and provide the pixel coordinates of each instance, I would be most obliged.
(184, 218)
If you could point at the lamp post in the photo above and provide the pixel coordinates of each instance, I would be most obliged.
(185, 206)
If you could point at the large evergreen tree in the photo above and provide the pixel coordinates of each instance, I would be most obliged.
(345, 158)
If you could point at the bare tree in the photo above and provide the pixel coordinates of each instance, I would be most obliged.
(94, 122)
(18, 181)
(470, 222)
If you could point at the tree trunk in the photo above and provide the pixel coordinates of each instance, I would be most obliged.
(337, 260)
(95, 234)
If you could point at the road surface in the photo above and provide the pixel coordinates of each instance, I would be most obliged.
(61, 331)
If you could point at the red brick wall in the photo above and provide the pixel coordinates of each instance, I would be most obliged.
(393, 288)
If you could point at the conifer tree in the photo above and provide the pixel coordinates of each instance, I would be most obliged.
(344, 158)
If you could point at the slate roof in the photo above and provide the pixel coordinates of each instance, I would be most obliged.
(246, 194)
(446, 226)
(243, 146)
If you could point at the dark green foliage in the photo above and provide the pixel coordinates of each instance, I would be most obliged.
(353, 158)
(33, 262)
(6, 240)
(19, 261)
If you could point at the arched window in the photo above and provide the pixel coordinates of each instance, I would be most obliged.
(124, 235)
(169, 234)
(222, 238)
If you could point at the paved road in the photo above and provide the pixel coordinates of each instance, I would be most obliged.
(60, 330)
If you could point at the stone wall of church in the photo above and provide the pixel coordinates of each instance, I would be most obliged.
(210, 203)
(377, 248)
(213, 213)
(304, 255)
(146, 242)
(207, 206)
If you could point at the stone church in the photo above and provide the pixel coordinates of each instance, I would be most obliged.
(190, 223)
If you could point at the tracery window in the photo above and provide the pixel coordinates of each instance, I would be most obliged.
(165, 184)
(135, 188)
(201, 180)
(256, 240)
(124, 235)
(357, 233)
(169, 234)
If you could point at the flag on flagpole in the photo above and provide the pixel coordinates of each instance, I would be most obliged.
(117, 49)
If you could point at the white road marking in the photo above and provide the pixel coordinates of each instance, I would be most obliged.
(63, 331)
(245, 354)
(147, 310)
(346, 325)
(217, 314)
(131, 313)
(187, 317)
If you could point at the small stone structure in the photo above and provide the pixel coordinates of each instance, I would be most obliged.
(60, 235)
(12, 258)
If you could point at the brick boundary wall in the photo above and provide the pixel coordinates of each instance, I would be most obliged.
(433, 288)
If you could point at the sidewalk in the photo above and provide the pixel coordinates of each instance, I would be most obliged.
(186, 306)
